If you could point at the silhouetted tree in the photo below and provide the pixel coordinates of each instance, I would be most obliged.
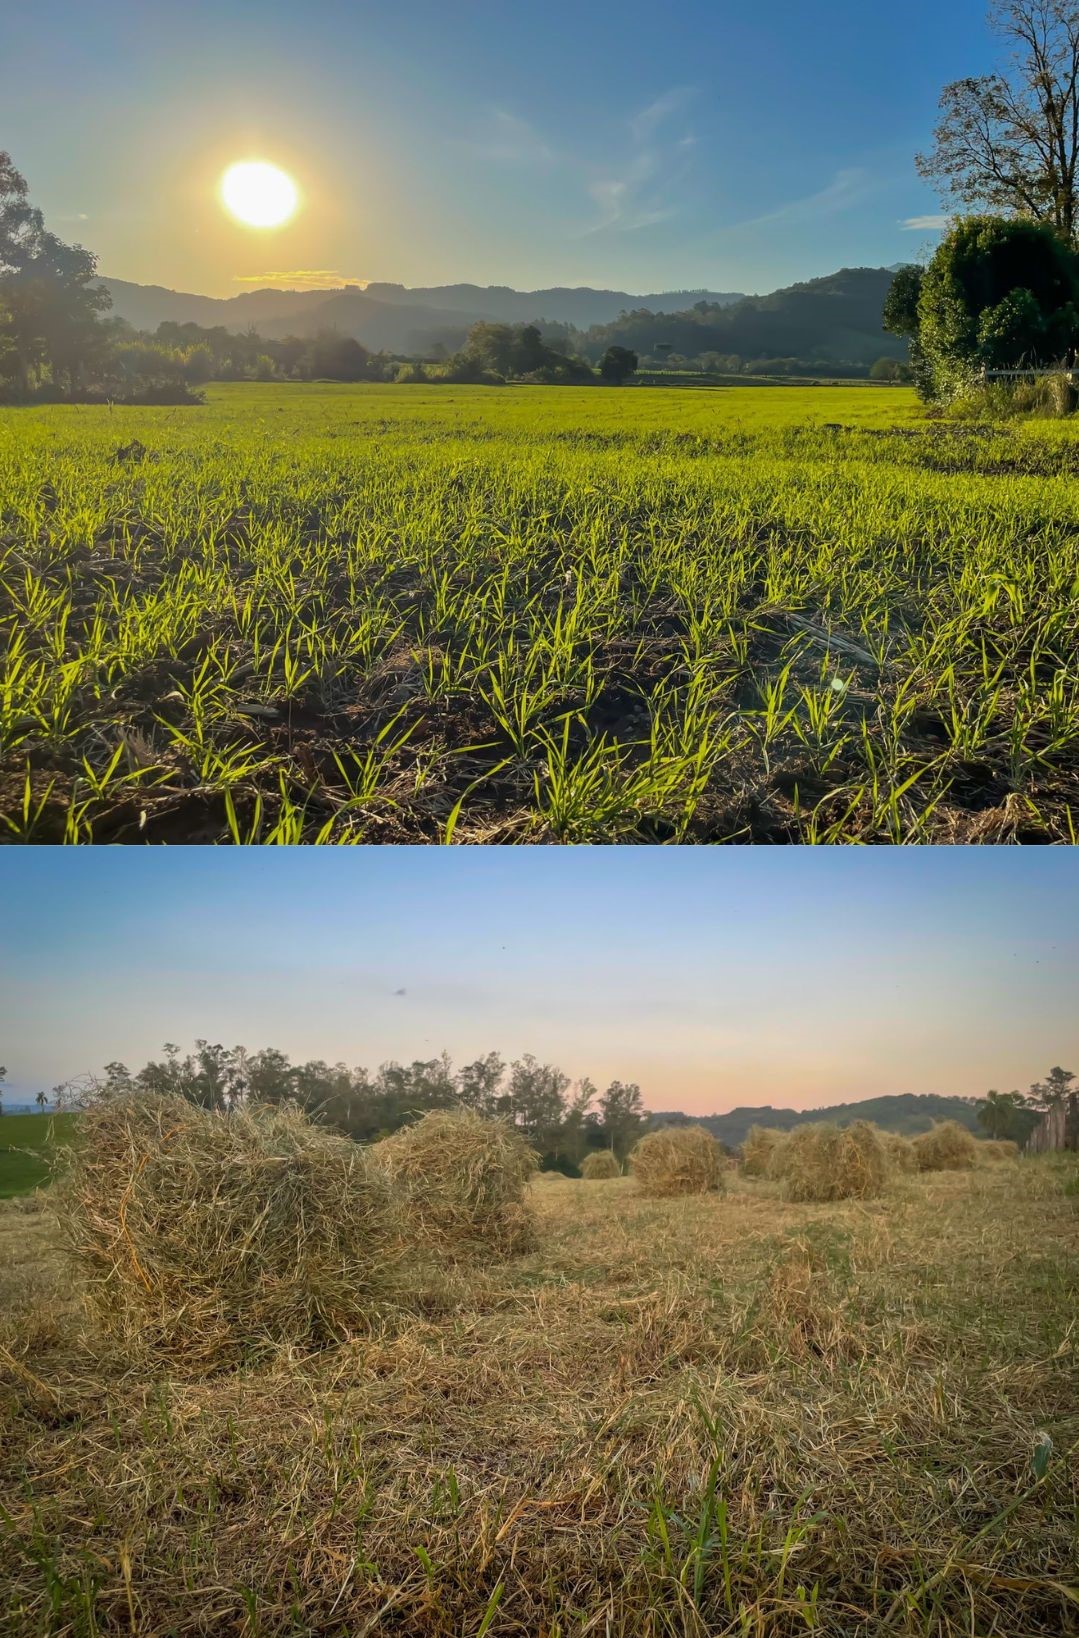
(617, 365)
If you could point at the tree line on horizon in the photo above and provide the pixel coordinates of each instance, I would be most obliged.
(563, 1120)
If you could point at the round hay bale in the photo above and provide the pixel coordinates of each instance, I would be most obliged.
(462, 1181)
(601, 1163)
(946, 1147)
(822, 1162)
(677, 1160)
(761, 1143)
(991, 1151)
(212, 1237)
(900, 1152)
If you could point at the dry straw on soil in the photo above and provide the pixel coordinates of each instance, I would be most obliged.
(825, 1162)
(209, 1237)
(760, 1144)
(946, 1147)
(677, 1160)
(462, 1181)
(900, 1152)
(600, 1164)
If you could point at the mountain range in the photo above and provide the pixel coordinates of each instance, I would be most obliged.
(907, 1112)
(391, 316)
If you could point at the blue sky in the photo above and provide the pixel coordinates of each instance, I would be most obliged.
(711, 977)
(706, 143)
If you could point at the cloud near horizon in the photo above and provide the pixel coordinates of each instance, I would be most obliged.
(849, 187)
(920, 224)
(299, 279)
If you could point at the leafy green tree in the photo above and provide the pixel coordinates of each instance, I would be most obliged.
(49, 304)
(998, 293)
(617, 366)
(335, 357)
(1005, 1115)
(1009, 141)
(901, 315)
(621, 1110)
(1056, 1088)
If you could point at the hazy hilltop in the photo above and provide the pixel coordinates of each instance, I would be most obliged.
(390, 315)
(906, 1112)
(835, 319)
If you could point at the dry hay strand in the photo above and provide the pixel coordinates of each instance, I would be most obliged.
(677, 1160)
(761, 1143)
(900, 1151)
(946, 1147)
(211, 1237)
(802, 1312)
(462, 1181)
(823, 1162)
(600, 1164)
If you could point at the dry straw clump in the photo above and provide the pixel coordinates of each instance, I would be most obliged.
(824, 1162)
(990, 1151)
(946, 1147)
(677, 1160)
(210, 1237)
(761, 1143)
(462, 1181)
(600, 1164)
(900, 1152)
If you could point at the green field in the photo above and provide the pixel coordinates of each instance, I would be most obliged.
(26, 1142)
(365, 614)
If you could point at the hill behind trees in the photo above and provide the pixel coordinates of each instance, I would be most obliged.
(906, 1112)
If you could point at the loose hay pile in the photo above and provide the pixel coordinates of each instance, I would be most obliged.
(462, 1181)
(825, 1162)
(210, 1237)
(946, 1147)
(600, 1164)
(677, 1160)
(900, 1152)
(761, 1143)
(990, 1151)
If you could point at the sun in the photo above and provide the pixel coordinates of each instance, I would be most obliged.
(257, 194)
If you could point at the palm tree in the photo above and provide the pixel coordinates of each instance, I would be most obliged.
(41, 1100)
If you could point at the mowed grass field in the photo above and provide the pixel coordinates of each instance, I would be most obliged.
(720, 1415)
(26, 1142)
(366, 614)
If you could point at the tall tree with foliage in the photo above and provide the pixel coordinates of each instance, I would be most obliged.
(1057, 1087)
(1009, 141)
(49, 304)
(621, 1110)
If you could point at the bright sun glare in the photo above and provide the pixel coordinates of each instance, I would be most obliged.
(258, 194)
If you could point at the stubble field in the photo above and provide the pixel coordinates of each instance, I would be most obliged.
(674, 1419)
(378, 614)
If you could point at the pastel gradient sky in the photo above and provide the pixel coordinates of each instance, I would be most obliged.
(705, 143)
(713, 977)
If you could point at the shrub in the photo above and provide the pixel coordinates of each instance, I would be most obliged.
(824, 1162)
(760, 1144)
(211, 1236)
(462, 1181)
(946, 1147)
(600, 1164)
(900, 1152)
(677, 1160)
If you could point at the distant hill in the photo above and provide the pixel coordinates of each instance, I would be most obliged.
(389, 316)
(836, 319)
(906, 1112)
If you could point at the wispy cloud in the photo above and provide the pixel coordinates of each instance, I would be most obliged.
(510, 140)
(643, 189)
(846, 189)
(923, 224)
(320, 278)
